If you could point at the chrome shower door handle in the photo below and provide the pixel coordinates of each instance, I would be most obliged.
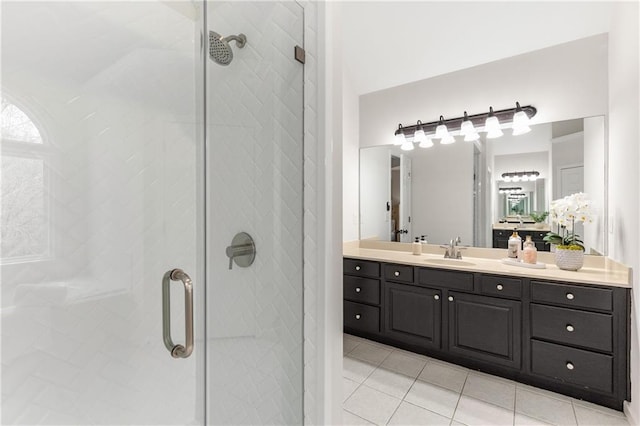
(177, 351)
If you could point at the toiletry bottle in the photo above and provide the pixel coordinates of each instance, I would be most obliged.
(423, 239)
(514, 246)
(529, 252)
(417, 247)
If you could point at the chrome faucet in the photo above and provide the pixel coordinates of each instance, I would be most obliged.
(453, 249)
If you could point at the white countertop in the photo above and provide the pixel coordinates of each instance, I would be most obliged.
(596, 270)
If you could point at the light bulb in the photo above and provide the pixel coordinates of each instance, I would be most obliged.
(419, 135)
(515, 178)
(426, 143)
(525, 178)
(399, 139)
(441, 130)
(470, 137)
(407, 145)
(447, 139)
(466, 128)
(492, 126)
(520, 121)
(506, 178)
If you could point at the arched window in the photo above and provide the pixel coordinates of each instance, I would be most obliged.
(24, 227)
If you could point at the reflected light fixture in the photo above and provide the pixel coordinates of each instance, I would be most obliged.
(492, 125)
(399, 137)
(407, 145)
(520, 176)
(520, 121)
(468, 130)
(509, 190)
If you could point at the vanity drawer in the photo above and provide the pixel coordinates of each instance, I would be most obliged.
(361, 317)
(448, 279)
(363, 268)
(574, 366)
(569, 295)
(358, 289)
(400, 273)
(501, 286)
(580, 328)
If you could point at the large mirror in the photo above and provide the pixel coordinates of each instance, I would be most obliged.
(459, 190)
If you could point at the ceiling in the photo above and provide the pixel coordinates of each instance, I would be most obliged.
(390, 43)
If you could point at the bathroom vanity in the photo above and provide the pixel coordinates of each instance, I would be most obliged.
(563, 331)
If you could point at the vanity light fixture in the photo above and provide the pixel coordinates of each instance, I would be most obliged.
(468, 126)
(517, 196)
(399, 136)
(520, 176)
(492, 125)
(509, 190)
(520, 121)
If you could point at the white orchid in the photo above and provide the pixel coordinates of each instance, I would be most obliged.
(566, 212)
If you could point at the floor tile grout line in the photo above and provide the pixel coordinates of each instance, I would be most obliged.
(360, 417)
(453, 416)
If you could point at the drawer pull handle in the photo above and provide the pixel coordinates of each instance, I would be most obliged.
(570, 296)
(357, 267)
(357, 289)
(570, 328)
(450, 298)
(396, 273)
(570, 366)
(357, 316)
(436, 297)
(499, 287)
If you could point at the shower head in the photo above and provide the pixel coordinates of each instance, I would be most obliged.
(219, 49)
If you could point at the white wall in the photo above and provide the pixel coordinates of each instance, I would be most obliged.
(350, 153)
(562, 82)
(442, 192)
(375, 181)
(624, 157)
(595, 180)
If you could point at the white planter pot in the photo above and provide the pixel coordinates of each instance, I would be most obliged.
(569, 260)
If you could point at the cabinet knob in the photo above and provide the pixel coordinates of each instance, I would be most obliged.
(436, 297)
(357, 316)
(357, 267)
(450, 298)
(357, 289)
(499, 287)
(569, 366)
(396, 273)
(570, 296)
(570, 327)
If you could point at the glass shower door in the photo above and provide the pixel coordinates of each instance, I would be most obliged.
(255, 175)
(102, 194)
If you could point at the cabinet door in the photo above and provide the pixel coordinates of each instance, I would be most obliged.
(413, 315)
(485, 328)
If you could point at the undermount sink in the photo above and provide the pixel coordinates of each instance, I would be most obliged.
(450, 262)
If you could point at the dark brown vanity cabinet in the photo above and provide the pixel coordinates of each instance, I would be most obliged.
(413, 314)
(362, 297)
(485, 328)
(568, 338)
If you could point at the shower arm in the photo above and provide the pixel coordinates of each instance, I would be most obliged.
(240, 39)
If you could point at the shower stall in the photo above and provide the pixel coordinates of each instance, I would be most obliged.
(138, 139)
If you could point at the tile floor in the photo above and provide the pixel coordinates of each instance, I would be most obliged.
(388, 386)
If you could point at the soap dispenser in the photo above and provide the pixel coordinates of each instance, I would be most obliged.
(417, 247)
(529, 252)
(423, 239)
(514, 246)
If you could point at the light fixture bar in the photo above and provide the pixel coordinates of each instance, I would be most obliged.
(478, 120)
